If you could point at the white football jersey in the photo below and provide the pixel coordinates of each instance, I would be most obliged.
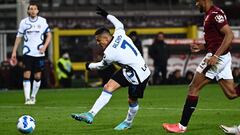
(122, 50)
(33, 32)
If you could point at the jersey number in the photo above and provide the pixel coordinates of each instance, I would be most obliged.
(125, 43)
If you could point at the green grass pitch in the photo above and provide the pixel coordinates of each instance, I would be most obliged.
(160, 104)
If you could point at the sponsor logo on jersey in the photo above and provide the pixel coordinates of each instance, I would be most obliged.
(219, 18)
(32, 31)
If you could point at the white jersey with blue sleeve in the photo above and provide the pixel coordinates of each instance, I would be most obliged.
(33, 32)
(122, 50)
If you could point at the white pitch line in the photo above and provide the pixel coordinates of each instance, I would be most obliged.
(200, 109)
(118, 108)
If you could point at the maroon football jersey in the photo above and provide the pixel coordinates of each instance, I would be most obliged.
(214, 20)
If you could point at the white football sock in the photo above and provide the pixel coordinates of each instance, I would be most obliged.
(27, 89)
(101, 102)
(182, 127)
(36, 86)
(132, 111)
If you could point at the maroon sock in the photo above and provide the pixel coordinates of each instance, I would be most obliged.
(189, 108)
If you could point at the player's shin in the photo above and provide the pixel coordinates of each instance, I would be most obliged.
(189, 108)
(101, 102)
(26, 88)
(132, 111)
(35, 88)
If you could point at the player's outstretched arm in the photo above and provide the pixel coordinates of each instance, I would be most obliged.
(96, 66)
(117, 24)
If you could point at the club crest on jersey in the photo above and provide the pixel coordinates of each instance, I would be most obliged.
(117, 41)
(219, 18)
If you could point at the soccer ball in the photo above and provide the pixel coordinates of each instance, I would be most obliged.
(26, 124)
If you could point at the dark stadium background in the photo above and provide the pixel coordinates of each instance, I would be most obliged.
(135, 14)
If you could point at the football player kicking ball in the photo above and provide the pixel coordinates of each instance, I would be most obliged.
(216, 63)
(231, 130)
(134, 73)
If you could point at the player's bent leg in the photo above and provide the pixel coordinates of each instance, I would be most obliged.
(86, 117)
(102, 100)
(111, 86)
(228, 88)
(105, 96)
(98, 105)
(192, 99)
(197, 83)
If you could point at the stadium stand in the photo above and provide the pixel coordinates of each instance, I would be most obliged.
(80, 14)
(149, 13)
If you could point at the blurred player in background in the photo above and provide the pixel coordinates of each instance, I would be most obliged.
(216, 63)
(32, 29)
(158, 51)
(231, 130)
(118, 48)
